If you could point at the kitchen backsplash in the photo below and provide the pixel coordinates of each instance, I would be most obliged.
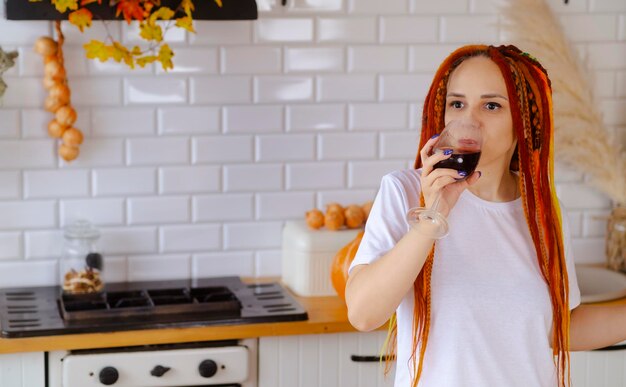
(193, 173)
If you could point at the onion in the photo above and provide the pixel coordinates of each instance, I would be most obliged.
(54, 69)
(61, 92)
(45, 46)
(48, 82)
(66, 115)
(73, 137)
(68, 153)
(52, 104)
(56, 130)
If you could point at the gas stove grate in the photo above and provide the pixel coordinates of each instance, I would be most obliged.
(180, 302)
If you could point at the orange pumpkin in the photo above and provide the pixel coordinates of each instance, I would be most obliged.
(341, 264)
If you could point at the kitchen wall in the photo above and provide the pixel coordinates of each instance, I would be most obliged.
(193, 172)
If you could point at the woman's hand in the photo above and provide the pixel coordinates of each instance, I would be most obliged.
(442, 180)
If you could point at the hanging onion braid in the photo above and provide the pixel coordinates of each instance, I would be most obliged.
(530, 95)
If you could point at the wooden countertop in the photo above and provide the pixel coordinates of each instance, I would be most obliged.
(326, 315)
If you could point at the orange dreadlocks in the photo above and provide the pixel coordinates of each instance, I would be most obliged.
(530, 93)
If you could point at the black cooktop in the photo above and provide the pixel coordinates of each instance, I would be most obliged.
(44, 311)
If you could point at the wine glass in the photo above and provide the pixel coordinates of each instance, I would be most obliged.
(464, 139)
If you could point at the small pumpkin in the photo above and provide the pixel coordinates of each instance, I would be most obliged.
(355, 216)
(315, 219)
(334, 220)
(341, 264)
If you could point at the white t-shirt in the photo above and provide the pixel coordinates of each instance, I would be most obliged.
(490, 311)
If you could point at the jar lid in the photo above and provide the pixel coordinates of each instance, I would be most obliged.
(81, 229)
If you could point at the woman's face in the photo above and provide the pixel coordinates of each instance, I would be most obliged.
(476, 91)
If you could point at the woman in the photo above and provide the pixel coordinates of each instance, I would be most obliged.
(496, 302)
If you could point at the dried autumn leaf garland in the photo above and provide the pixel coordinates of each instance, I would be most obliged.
(148, 13)
(58, 101)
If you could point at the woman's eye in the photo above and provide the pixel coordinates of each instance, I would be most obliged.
(492, 106)
(456, 104)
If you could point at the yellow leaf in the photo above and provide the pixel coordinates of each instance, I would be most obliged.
(185, 22)
(151, 32)
(97, 49)
(187, 6)
(165, 57)
(81, 18)
(35, 1)
(219, 3)
(136, 51)
(163, 13)
(144, 60)
(64, 5)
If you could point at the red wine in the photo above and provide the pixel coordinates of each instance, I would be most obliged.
(461, 161)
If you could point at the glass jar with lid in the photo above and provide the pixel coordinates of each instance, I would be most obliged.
(81, 263)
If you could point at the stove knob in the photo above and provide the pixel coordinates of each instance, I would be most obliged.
(159, 371)
(108, 376)
(207, 368)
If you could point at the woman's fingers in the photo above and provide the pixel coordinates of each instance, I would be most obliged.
(440, 172)
(425, 154)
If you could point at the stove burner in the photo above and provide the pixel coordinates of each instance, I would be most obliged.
(39, 311)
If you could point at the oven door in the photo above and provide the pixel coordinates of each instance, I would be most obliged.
(232, 363)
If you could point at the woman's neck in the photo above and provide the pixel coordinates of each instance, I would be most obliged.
(496, 185)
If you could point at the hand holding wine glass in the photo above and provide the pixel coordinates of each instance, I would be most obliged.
(448, 162)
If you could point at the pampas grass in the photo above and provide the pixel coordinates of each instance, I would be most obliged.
(581, 138)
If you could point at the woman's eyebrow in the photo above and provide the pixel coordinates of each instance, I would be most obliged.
(484, 96)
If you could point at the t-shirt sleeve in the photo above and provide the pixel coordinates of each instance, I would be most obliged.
(574, 291)
(386, 223)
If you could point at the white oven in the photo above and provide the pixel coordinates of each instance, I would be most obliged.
(230, 363)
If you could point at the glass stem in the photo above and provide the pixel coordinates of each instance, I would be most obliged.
(435, 206)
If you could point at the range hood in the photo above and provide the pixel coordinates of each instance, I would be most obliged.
(204, 10)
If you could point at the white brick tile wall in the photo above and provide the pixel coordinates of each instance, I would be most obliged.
(223, 207)
(590, 28)
(373, 116)
(253, 119)
(43, 244)
(253, 177)
(222, 264)
(158, 267)
(251, 60)
(10, 184)
(283, 205)
(373, 59)
(171, 209)
(284, 30)
(125, 122)
(316, 117)
(27, 214)
(124, 181)
(151, 151)
(296, 147)
(184, 120)
(27, 154)
(216, 149)
(318, 59)
(314, 176)
(223, 89)
(339, 146)
(200, 237)
(179, 180)
(9, 123)
(378, 7)
(404, 87)
(409, 29)
(101, 212)
(239, 236)
(258, 122)
(155, 90)
(467, 29)
(269, 89)
(128, 240)
(267, 263)
(10, 245)
(353, 30)
(367, 174)
(333, 88)
(52, 183)
(222, 32)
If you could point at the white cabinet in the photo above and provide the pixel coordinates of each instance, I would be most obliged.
(23, 370)
(598, 368)
(322, 361)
